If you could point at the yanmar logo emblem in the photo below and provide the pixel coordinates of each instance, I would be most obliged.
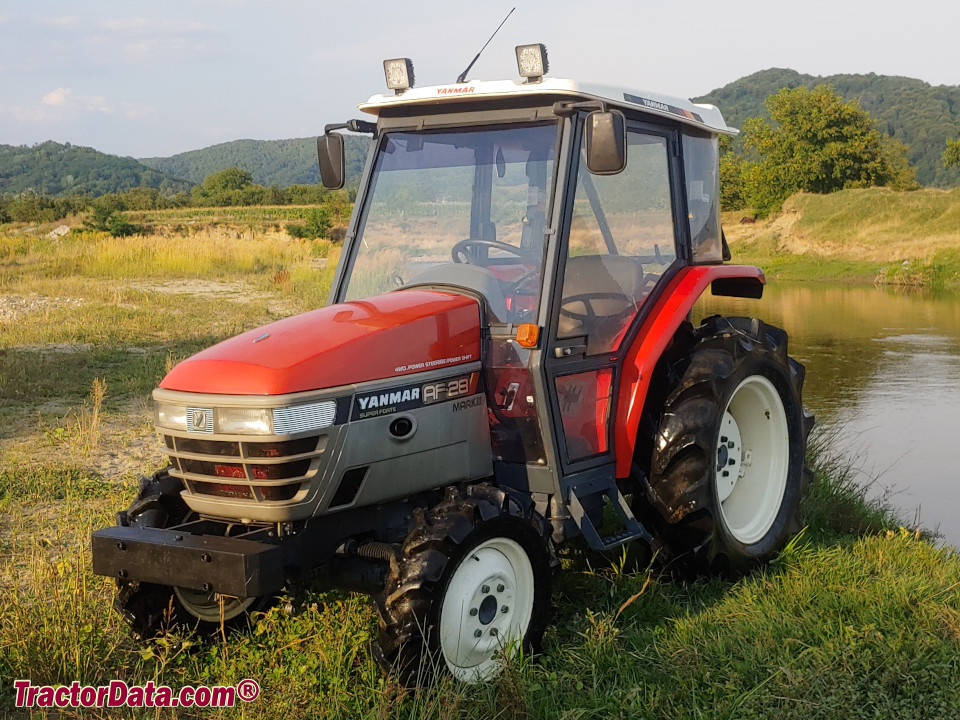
(456, 90)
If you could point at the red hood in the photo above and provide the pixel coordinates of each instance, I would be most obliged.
(385, 336)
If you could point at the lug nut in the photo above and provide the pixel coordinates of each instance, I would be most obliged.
(122, 573)
(477, 633)
(730, 445)
(500, 588)
(121, 545)
(493, 631)
(731, 461)
(504, 609)
(205, 557)
(723, 438)
(473, 612)
(485, 589)
(207, 587)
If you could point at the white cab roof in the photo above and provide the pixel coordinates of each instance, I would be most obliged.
(702, 116)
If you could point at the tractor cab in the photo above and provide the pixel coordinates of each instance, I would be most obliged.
(565, 210)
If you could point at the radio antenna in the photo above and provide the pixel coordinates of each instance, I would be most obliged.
(463, 75)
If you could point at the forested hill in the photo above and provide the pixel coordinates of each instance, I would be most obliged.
(919, 114)
(52, 168)
(271, 162)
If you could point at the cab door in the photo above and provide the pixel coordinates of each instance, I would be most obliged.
(619, 245)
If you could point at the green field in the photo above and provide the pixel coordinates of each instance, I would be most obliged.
(856, 618)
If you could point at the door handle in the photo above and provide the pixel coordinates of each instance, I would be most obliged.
(570, 350)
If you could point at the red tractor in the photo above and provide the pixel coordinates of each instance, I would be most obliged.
(506, 363)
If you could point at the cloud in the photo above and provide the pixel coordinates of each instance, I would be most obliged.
(62, 105)
(64, 98)
(63, 21)
(136, 111)
(141, 40)
(151, 26)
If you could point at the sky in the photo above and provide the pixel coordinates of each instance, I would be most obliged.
(154, 79)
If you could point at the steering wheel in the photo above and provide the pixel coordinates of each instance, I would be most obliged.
(590, 317)
(460, 253)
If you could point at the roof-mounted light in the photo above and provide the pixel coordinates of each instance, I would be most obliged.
(532, 61)
(399, 74)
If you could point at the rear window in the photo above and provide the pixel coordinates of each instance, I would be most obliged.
(701, 169)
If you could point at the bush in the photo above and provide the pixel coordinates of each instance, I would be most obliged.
(119, 226)
(316, 225)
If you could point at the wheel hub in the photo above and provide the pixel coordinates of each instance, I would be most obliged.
(729, 456)
(488, 610)
(490, 614)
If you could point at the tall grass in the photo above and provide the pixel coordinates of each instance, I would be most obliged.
(880, 223)
(210, 252)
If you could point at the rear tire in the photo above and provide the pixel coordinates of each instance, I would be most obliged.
(470, 587)
(726, 470)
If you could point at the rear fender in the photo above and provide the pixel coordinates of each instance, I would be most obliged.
(658, 328)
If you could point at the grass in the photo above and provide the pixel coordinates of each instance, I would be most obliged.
(866, 235)
(855, 619)
(843, 624)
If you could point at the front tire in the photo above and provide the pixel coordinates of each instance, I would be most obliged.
(470, 588)
(151, 609)
(726, 471)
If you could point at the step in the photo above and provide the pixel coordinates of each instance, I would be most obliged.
(632, 528)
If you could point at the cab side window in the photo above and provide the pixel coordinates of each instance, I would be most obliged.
(621, 241)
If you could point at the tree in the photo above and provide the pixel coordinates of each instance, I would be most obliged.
(226, 187)
(817, 143)
(951, 156)
(732, 190)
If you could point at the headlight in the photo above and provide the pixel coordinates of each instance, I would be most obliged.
(243, 421)
(171, 416)
(532, 61)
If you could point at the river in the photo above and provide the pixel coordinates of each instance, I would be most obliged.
(883, 378)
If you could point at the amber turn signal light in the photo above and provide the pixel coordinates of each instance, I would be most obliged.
(527, 335)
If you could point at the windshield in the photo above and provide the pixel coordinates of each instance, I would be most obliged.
(465, 208)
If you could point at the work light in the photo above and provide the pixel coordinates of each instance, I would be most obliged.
(532, 61)
(399, 74)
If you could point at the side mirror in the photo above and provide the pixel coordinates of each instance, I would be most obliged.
(606, 142)
(331, 158)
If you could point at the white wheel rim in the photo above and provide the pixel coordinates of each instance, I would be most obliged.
(752, 459)
(486, 609)
(207, 606)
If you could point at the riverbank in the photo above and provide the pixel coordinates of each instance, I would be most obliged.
(858, 236)
(856, 618)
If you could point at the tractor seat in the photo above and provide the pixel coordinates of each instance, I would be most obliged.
(473, 278)
(599, 293)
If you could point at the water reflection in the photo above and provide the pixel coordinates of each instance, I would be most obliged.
(883, 376)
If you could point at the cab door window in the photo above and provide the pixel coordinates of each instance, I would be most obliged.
(621, 241)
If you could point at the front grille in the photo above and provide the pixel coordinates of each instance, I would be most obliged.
(260, 471)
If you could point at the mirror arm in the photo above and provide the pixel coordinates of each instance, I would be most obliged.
(357, 126)
(566, 108)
